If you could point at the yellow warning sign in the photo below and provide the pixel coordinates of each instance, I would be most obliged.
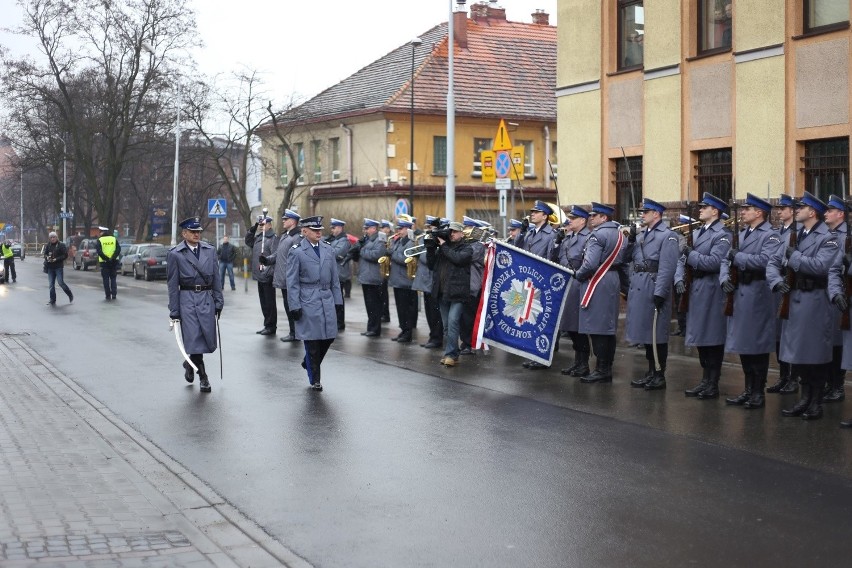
(502, 140)
(486, 158)
(517, 173)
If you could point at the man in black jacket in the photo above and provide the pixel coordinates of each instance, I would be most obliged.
(55, 254)
(226, 255)
(449, 259)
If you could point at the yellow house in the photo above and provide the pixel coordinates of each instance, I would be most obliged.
(679, 97)
(375, 144)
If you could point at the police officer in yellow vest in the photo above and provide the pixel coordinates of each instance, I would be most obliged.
(8, 261)
(108, 253)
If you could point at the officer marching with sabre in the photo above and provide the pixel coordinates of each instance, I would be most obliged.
(786, 383)
(751, 326)
(654, 255)
(195, 299)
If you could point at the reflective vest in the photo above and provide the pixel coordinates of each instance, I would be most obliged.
(7, 250)
(108, 243)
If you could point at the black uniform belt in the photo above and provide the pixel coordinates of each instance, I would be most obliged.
(749, 276)
(647, 266)
(702, 274)
(806, 284)
(196, 288)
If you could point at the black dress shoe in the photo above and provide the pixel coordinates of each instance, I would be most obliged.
(596, 377)
(739, 399)
(188, 373)
(468, 351)
(640, 382)
(792, 387)
(657, 382)
(431, 345)
(370, 334)
(536, 366)
(569, 370)
(70, 297)
(260, 332)
(526, 364)
(711, 391)
(797, 409)
(267, 331)
(385, 320)
(404, 338)
(317, 386)
(835, 395)
(813, 412)
(205, 385)
(288, 338)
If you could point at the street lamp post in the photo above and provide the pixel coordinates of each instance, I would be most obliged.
(22, 208)
(414, 43)
(64, 183)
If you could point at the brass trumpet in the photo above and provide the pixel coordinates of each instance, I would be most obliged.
(416, 250)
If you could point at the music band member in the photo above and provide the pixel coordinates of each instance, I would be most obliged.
(373, 246)
(570, 255)
(835, 220)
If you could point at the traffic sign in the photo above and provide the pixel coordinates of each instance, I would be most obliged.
(502, 200)
(503, 183)
(66, 215)
(486, 158)
(517, 163)
(217, 208)
(401, 207)
(502, 141)
(502, 164)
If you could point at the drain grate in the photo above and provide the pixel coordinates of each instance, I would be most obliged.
(85, 545)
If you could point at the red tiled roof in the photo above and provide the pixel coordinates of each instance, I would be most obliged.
(507, 70)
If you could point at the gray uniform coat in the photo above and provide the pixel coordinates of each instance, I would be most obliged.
(806, 335)
(278, 263)
(399, 272)
(601, 315)
(341, 247)
(707, 324)
(837, 285)
(751, 330)
(267, 242)
(840, 234)
(313, 286)
(784, 237)
(368, 266)
(197, 310)
(571, 256)
(423, 279)
(654, 258)
(538, 241)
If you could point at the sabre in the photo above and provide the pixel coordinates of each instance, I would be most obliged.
(174, 325)
(219, 337)
(654, 341)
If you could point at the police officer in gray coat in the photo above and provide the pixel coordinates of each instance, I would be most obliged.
(195, 296)
(313, 287)
(290, 236)
(263, 248)
(601, 286)
(570, 255)
(786, 383)
(373, 247)
(654, 254)
(423, 282)
(707, 328)
(806, 336)
(339, 242)
(835, 220)
(538, 237)
(404, 297)
(751, 328)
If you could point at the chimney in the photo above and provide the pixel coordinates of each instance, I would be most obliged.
(541, 18)
(496, 12)
(479, 12)
(460, 24)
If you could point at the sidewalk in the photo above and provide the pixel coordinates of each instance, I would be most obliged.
(79, 487)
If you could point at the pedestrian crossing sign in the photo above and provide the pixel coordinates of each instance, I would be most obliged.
(217, 208)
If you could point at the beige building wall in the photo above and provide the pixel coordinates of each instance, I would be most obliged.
(822, 83)
(660, 24)
(760, 143)
(578, 37)
(580, 147)
(661, 164)
(758, 23)
(710, 98)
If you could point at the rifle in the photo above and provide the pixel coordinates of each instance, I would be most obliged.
(789, 275)
(683, 305)
(733, 272)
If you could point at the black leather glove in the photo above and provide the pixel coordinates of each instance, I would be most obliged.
(525, 225)
(631, 236)
(175, 317)
(363, 240)
(789, 252)
(731, 254)
(431, 243)
(658, 302)
(263, 260)
(560, 236)
(218, 312)
(841, 302)
(781, 288)
(680, 287)
(686, 250)
(728, 287)
(253, 228)
(296, 314)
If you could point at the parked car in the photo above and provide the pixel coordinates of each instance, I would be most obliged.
(151, 263)
(86, 255)
(129, 255)
(18, 251)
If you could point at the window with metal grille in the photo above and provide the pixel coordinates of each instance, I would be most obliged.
(631, 34)
(824, 15)
(628, 188)
(714, 173)
(715, 23)
(439, 155)
(826, 167)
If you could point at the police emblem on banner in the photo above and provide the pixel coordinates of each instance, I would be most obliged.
(522, 301)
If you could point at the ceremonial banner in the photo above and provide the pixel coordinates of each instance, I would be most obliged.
(522, 300)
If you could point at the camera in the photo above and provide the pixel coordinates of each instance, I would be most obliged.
(442, 232)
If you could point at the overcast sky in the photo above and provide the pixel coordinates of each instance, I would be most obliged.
(304, 46)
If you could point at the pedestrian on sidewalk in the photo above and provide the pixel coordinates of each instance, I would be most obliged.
(313, 292)
(108, 252)
(263, 241)
(195, 296)
(8, 261)
(55, 254)
(226, 255)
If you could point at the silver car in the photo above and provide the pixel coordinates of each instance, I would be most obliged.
(132, 253)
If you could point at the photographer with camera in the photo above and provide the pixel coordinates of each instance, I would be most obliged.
(55, 254)
(449, 258)
(263, 246)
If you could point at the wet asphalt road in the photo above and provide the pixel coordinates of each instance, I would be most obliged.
(400, 462)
